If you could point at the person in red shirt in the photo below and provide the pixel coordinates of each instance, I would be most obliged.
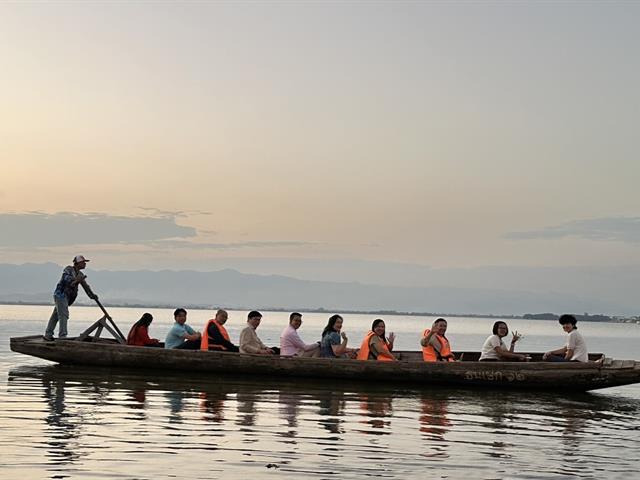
(139, 333)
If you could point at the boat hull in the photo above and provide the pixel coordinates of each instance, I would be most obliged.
(531, 375)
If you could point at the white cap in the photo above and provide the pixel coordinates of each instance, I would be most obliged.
(79, 259)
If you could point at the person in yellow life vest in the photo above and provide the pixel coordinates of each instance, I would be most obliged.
(435, 346)
(215, 336)
(375, 345)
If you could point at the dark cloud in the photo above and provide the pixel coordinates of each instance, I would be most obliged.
(38, 229)
(608, 229)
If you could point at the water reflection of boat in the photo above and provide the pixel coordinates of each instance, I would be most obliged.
(434, 422)
(331, 407)
(573, 376)
(140, 397)
(217, 393)
(289, 407)
(377, 409)
(430, 426)
(212, 405)
(64, 424)
(246, 408)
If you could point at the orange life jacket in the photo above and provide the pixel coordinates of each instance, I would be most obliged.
(204, 344)
(384, 356)
(430, 354)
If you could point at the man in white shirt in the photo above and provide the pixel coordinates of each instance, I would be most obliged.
(249, 340)
(575, 349)
(290, 342)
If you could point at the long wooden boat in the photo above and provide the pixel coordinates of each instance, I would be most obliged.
(469, 371)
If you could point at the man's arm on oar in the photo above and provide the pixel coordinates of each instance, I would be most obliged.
(87, 288)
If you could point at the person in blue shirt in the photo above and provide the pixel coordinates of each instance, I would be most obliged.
(65, 294)
(181, 335)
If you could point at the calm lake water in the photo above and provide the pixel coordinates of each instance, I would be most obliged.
(71, 422)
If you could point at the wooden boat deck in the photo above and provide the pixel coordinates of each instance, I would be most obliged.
(468, 372)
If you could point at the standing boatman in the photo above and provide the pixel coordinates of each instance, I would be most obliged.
(65, 294)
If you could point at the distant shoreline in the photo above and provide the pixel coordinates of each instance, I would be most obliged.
(274, 309)
(596, 318)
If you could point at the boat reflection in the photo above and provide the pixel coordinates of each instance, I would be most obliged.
(175, 400)
(246, 405)
(324, 412)
(289, 407)
(331, 408)
(434, 423)
(139, 398)
(567, 421)
(212, 406)
(64, 428)
(376, 411)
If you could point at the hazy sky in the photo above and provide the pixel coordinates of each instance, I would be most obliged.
(449, 134)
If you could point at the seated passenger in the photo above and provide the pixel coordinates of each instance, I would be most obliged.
(435, 346)
(334, 342)
(290, 342)
(375, 345)
(215, 336)
(494, 349)
(139, 333)
(249, 341)
(575, 349)
(181, 335)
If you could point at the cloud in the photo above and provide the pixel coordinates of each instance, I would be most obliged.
(38, 229)
(605, 229)
(42, 232)
(177, 244)
(155, 212)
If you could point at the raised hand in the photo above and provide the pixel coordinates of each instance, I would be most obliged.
(392, 337)
(344, 336)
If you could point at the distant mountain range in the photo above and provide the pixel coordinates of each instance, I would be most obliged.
(230, 288)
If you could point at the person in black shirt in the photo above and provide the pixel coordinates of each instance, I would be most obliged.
(218, 336)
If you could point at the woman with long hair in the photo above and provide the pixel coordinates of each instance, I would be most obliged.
(334, 341)
(139, 333)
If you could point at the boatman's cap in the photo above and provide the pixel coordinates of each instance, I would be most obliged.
(79, 259)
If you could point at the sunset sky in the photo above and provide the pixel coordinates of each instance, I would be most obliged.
(169, 135)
